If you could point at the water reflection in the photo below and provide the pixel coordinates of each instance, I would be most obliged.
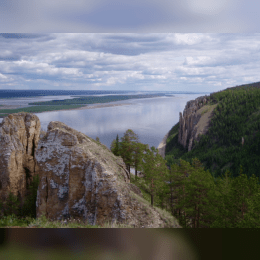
(151, 119)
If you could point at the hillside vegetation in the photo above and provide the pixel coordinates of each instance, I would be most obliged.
(237, 115)
(228, 193)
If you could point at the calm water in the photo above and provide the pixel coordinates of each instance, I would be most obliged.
(149, 118)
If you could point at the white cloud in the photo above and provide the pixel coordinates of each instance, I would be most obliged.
(141, 61)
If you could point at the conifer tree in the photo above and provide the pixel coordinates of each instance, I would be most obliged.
(244, 193)
(116, 152)
(223, 209)
(127, 147)
(115, 146)
(138, 155)
(154, 169)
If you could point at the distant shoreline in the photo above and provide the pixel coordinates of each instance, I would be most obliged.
(92, 106)
(67, 107)
(98, 105)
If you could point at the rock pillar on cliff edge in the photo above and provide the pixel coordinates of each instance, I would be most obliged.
(188, 121)
(19, 137)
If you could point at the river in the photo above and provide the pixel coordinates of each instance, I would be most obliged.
(149, 118)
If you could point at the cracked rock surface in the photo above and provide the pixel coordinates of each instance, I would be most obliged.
(19, 137)
(82, 179)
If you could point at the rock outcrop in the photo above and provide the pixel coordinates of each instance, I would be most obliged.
(19, 137)
(81, 179)
(194, 121)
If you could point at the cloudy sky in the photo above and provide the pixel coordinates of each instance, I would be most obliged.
(135, 16)
(125, 61)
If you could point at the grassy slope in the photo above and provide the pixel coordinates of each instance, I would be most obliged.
(237, 115)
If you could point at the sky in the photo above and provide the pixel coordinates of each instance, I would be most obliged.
(198, 62)
(135, 16)
(188, 45)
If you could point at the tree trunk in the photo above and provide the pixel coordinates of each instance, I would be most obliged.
(136, 173)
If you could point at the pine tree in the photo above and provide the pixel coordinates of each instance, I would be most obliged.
(244, 194)
(138, 155)
(116, 152)
(127, 147)
(115, 146)
(222, 205)
(154, 168)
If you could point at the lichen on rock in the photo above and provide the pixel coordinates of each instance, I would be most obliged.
(81, 179)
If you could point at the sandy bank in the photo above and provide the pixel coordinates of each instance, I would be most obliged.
(98, 105)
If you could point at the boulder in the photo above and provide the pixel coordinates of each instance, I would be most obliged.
(82, 179)
(19, 137)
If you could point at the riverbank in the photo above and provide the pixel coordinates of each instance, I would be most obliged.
(25, 109)
(87, 107)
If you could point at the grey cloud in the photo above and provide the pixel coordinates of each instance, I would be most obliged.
(128, 16)
(120, 16)
(20, 35)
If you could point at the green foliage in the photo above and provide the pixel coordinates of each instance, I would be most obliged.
(11, 205)
(237, 203)
(14, 206)
(29, 207)
(234, 196)
(154, 169)
(237, 115)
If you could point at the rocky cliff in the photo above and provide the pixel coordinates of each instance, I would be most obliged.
(194, 121)
(19, 137)
(82, 179)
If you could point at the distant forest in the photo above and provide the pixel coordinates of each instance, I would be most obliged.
(236, 116)
(95, 99)
(55, 105)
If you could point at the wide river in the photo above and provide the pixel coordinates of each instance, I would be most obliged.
(149, 118)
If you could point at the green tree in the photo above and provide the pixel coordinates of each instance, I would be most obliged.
(29, 206)
(11, 205)
(154, 168)
(244, 194)
(138, 155)
(223, 211)
(251, 217)
(115, 146)
(184, 171)
(127, 147)
(198, 185)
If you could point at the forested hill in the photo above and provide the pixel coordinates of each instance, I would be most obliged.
(233, 136)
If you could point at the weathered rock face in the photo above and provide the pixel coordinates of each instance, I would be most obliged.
(82, 179)
(189, 120)
(19, 137)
